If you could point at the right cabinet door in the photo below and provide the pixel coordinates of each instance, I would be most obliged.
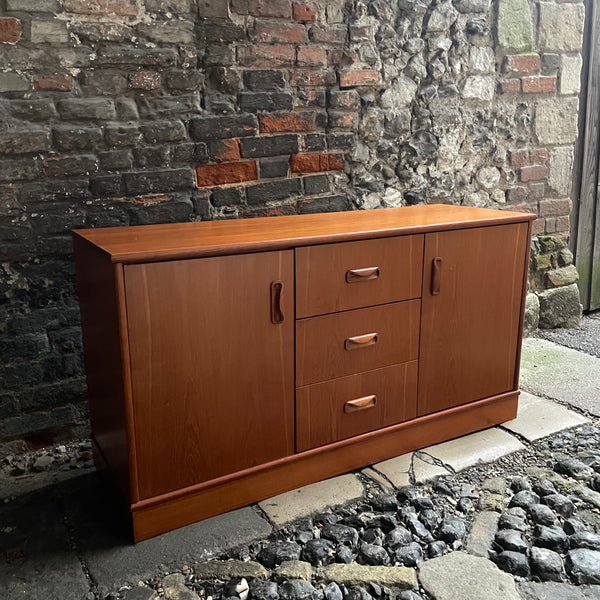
(471, 314)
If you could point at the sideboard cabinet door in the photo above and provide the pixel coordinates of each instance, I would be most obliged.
(472, 289)
(212, 366)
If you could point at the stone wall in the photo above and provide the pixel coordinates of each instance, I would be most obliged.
(126, 112)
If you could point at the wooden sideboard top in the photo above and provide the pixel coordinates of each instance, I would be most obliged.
(144, 243)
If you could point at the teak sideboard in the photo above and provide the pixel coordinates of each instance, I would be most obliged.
(230, 361)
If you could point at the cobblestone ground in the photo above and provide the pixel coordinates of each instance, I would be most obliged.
(524, 526)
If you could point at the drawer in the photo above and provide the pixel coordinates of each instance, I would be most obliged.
(348, 406)
(353, 341)
(335, 277)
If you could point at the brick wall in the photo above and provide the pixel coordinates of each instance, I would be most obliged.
(118, 112)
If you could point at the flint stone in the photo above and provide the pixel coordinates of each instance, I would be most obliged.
(553, 538)
(298, 589)
(457, 575)
(398, 536)
(319, 551)
(373, 555)
(472, 6)
(524, 499)
(479, 87)
(542, 514)
(571, 526)
(574, 468)
(278, 552)
(515, 563)
(584, 565)
(587, 495)
(400, 94)
(332, 591)
(585, 539)
(398, 577)
(512, 540)
(409, 555)
(544, 487)
(436, 549)
(261, 589)
(548, 565)
(560, 504)
(340, 534)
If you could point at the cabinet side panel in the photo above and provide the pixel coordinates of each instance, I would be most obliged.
(470, 329)
(212, 374)
(98, 301)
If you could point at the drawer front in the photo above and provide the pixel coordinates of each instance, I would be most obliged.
(335, 277)
(356, 340)
(348, 406)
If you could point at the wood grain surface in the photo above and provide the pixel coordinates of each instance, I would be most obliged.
(321, 352)
(320, 415)
(322, 274)
(183, 240)
(470, 331)
(213, 377)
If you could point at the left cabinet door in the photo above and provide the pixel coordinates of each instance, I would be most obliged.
(212, 366)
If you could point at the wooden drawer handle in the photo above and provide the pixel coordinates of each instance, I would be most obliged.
(436, 276)
(360, 404)
(358, 275)
(360, 341)
(276, 294)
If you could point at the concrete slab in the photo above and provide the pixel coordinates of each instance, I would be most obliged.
(554, 371)
(538, 417)
(481, 447)
(379, 479)
(548, 590)
(424, 469)
(113, 559)
(397, 469)
(312, 498)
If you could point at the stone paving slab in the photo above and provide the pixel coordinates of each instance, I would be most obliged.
(481, 447)
(312, 498)
(460, 576)
(113, 559)
(554, 371)
(396, 469)
(538, 417)
(557, 591)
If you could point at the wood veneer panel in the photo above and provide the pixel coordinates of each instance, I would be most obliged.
(184, 240)
(321, 415)
(325, 282)
(99, 307)
(159, 515)
(322, 350)
(213, 377)
(470, 331)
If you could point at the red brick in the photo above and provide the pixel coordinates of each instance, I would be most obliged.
(269, 8)
(359, 77)
(533, 173)
(144, 80)
(283, 33)
(510, 86)
(522, 63)
(312, 78)
(555, 208)
(303, 12)
(537, 190)
(287, 122)
(316, 162)
(52, 83)
(335, 35)
(236, 172)
(225, 150)
(125, 8)
(309, 56)
(563, 224)
(539, 226)
(264, 57)
(518, 158)
(343, 120)
(539, 156)
(10, 30)
(538, 85)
